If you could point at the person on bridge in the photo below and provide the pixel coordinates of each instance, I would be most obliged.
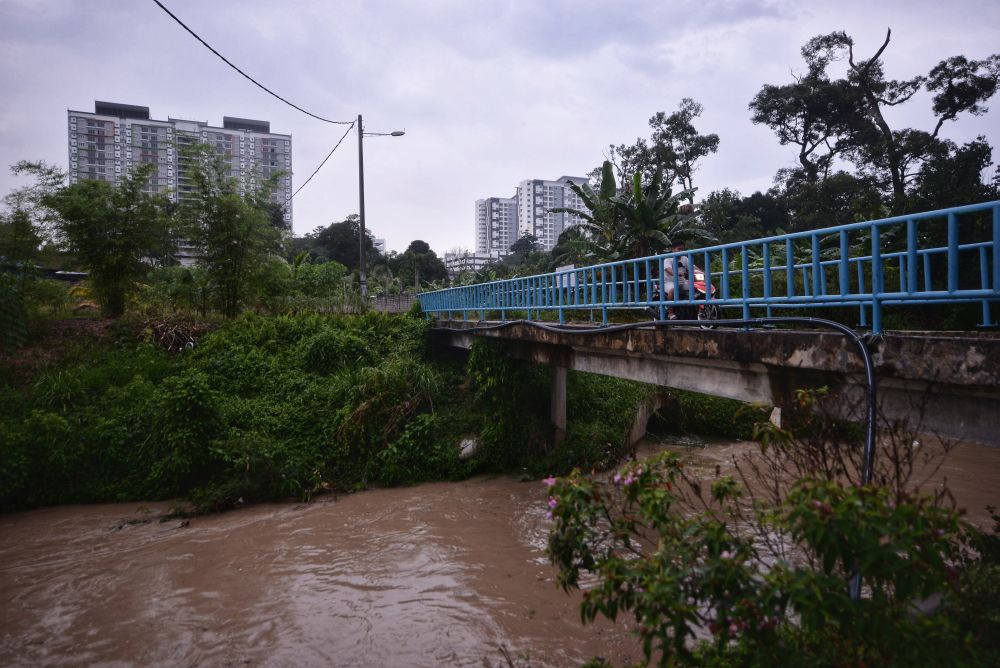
(672, 283)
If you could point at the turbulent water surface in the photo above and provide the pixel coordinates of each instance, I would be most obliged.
(440, 574)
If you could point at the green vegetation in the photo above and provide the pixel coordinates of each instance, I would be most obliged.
(289, 406)
(755, 570)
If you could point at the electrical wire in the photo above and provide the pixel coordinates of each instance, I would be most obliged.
(247, 76)
(316, 171)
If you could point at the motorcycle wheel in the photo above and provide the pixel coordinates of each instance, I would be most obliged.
(706, 314)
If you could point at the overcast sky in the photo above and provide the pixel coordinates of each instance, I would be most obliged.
(489, 92)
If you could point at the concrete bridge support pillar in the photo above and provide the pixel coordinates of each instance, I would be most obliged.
(559, 402)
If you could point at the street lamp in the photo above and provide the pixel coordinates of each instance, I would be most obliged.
(361, 197)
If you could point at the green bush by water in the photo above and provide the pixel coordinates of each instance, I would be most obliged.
(289, 406)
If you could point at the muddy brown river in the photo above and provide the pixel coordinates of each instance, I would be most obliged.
(441, 574)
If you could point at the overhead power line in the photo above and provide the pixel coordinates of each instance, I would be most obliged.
(250, 78)
(316, 171)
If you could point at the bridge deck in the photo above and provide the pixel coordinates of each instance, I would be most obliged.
(948, 382)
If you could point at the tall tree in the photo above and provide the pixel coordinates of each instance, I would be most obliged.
(233, 231)
(814, 113)
(340, 242)
(678, 145)
(418, 265)
(958, 86)
(674, 149)
(117, 232)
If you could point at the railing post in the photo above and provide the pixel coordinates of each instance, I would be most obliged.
(604, 297)
(877, 287)
(996, 249)
(789, 268)
(862, 320)
(911, 256)
(952, 252)
(746, 281)
(817, 269)
(766, 250)
(843, 266)
(725, 273)
(984, 277)
(662, 309)
(559, 296)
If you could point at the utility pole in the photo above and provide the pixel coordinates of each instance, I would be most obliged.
(361, 210)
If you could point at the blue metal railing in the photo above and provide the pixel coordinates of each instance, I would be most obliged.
(911, 259)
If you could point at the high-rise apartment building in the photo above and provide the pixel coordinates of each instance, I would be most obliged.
(116, 138)
(496, 224)
(501, 221)
(536, 199)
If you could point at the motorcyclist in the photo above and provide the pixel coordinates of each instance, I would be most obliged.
(681, 282)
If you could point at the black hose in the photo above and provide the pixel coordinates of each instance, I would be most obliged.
(859, 342)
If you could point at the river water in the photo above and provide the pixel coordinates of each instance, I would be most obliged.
(439, 574)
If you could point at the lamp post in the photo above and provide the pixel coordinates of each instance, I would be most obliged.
(361, 199)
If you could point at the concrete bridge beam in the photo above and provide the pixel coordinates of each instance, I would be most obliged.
(942, 383)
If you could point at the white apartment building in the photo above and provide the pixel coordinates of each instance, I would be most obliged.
(535, 200)
(496, 224)
(116, 138)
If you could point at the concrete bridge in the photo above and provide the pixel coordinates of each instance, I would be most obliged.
(945, 383)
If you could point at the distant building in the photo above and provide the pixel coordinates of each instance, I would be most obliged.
(501, 221)
(496, 224)
(466, 261)
(535, 200)
(379, 245)
(116, 138)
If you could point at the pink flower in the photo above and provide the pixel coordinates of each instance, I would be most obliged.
(552, 502)
(617, 479)
(551, 480)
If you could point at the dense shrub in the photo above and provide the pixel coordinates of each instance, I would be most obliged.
(277, 406)
(777, 594)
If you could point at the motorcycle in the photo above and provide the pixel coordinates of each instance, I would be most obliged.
(701, 308)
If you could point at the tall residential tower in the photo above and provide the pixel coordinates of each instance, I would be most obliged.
(116, 138)
(502, 221)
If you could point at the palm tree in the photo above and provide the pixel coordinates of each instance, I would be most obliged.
(652, 219)
(636, 223)
(601, 225)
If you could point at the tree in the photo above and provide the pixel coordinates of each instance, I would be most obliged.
(952, 177)
(20, 241)
(339, 241)
(674, 149)
(528, 243)
(676, 139)
(418, 264)
(233, 231)
(118, 232)
(651, 218)
(813, 113)
(729, 217)
(601, 223)
(958, 86)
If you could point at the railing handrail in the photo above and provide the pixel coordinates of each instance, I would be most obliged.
(846, 227)
(818, 274)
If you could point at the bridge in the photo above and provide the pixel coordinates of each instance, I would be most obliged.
(949, 382)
